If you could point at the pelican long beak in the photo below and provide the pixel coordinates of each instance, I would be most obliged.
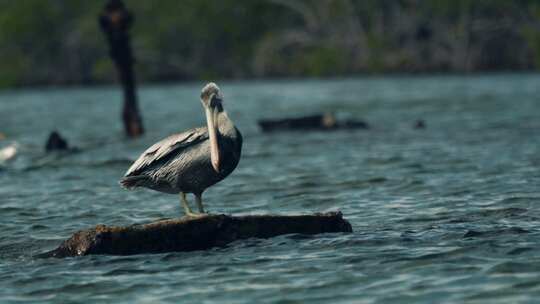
(211, 121)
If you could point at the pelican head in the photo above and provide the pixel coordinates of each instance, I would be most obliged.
(211, 95)
(211, 100)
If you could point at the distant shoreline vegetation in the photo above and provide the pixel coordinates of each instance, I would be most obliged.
(59, 42)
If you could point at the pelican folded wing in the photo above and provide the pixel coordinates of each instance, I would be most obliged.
(163, 148)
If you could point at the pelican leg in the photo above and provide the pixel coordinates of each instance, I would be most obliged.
(198, 199)
(184, 203)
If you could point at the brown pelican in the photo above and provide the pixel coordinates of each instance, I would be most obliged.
(191, 161)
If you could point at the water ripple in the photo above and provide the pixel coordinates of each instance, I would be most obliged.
(445, 215)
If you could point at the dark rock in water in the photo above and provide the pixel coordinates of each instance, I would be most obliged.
(56, 142)
(188, 233)
(420, 124)
(323, 121)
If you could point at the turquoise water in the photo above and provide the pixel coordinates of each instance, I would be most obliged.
(448, 214)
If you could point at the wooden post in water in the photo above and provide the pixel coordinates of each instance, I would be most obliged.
(115, 21)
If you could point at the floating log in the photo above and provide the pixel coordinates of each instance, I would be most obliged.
(193, 233)
(316, 122)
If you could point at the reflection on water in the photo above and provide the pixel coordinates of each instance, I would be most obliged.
(443, 214)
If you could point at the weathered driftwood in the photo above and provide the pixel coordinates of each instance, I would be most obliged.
(316, 122)
(188, 234)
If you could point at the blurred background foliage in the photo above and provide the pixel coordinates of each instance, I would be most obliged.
(59, 41)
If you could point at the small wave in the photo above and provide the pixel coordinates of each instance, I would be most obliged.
(123, 271)
(110, 162)
(514, 267)
(424, 219)
(500, 213)
(385, 161)
(519, 250)
(519, 199)
(504, 212)
(348, 184)
(494, 233)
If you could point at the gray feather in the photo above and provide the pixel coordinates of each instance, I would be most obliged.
(172, 144)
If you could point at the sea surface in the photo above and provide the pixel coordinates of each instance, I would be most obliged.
(445, 214)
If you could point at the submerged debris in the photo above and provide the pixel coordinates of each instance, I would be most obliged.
(55, 142)
(420, 124)
(322, 121)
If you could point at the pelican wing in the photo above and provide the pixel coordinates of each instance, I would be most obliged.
(163, 148)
